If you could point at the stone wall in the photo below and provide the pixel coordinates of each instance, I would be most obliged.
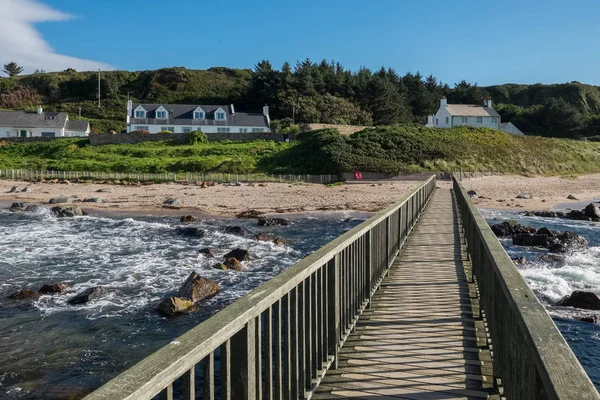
(183, 138)
(343, 129)
(34, 139)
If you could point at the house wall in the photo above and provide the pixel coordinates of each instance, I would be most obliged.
(35, 132)
(440, 118)
(512, 129)
(472, 121)
(204, 128)
(76, 134)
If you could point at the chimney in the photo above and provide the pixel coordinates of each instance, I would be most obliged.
(266, 114)
(129, 108)
(232, 109)
(487, 102)
(444, 101)
(39, 109)
(430, 119)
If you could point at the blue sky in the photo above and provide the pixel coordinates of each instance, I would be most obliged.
(484, 41)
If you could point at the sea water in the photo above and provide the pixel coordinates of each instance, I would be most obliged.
(551, 281)
(50, 349)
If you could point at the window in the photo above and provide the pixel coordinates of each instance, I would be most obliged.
(447, 120)
(223, 130)
(494, 120)
(480, 120)
(161, 114)
(168, 128)
(140, 114)
(257, 130)
(220, 115)
(186, 129)
(437, 121)
(48, 134)
(141, 128)
(243, 130)
(198, 115)
(464, 120)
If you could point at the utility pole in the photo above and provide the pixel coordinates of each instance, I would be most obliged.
(98, 88)
(79, 112)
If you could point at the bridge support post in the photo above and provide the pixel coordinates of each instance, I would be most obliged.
(369, 267)
(333, 308)
(243, 353)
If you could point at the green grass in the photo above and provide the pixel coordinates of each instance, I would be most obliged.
(388, 149)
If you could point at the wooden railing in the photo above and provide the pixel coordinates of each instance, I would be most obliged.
(530, 357)
(279, 340)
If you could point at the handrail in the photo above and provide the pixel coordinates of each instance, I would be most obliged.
(281, 338)
(530, 356)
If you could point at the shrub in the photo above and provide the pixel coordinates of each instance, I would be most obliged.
(165, 131)
(141, 131)
(197, 137)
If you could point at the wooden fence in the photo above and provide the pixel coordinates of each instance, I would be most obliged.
(530, 356)
(187, 176)
(279, 340)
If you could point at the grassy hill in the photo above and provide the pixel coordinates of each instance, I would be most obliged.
(384, 149)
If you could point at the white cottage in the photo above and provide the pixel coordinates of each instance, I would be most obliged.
(184, 118)
(451, 115)
(41, 124)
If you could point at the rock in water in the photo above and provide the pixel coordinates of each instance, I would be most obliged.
(591, 211)
(503, 229)
(591, 318)
(34, 208)
(197, 288)
(234, 264)
(175, 305)
(16, 207)
(272, 222)
(220, 266)
(189, 231)
(54, 288)
(207, 251)
(24, 295)
(264, 237)
(567, 242)
(172, 202)
(527, 239)
(67, 211)
(239, 254)
(236, 230)
(279, 241)
(187, 219)
(581, 299)
(88, 295)
(61, 200)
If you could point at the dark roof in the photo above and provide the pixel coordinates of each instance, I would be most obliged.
(183, 114)
(27, 119)
(77, 125)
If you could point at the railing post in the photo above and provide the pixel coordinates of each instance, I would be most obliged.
(243, 353)
(387, 242)
(369, 266)
(333, 308)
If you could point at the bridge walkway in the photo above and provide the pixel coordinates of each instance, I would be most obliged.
(422, 337)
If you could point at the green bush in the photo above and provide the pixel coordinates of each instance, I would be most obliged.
(166, 132)
(197, 137)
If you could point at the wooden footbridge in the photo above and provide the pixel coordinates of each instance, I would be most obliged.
(418, 302)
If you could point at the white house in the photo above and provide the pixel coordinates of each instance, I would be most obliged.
(451, 115)
(183, 118)
(41, 124)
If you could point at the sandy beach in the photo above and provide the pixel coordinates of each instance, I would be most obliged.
(546, 192)
(219, 200)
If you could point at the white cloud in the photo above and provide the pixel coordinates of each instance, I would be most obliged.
(22, 43)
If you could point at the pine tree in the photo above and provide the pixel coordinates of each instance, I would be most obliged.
(12, 69)
(387, 102)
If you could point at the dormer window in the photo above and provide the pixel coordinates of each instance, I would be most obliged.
(161, 114)
(140, 112)
(198, 114)
(220, 115)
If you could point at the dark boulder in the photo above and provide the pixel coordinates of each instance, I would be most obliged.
(279, 241)
(172, 202)
(54, 288)
(34, 208)
(503, 229)
(519, 229)
(567, 242)
(240, 254)
(16, 207)
(207, 251)
(236, 230)
(175, 305)
(13, 189)
(571, 197)
(220, 266)
(197, 288)
(472, 193)
(581, 299)
(187, 219)
(590, 318)
(88, 295)
(67, 211)
(60, 200)
(93, 200)
(189, 231)
(577, 215)
(249, 214)
(272, 222)
(234, 264)
(527, 239)
(548, 232)
(545, 214)
(26, 189)
(24, 295)
(592, 211)
(519, 260)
